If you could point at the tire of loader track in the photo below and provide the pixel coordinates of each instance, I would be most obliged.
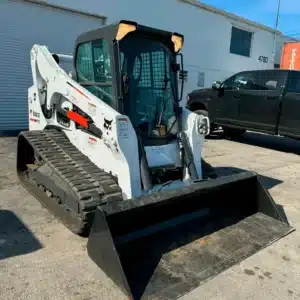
(63, 179)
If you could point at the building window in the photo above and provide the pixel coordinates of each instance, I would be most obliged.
(240, 42)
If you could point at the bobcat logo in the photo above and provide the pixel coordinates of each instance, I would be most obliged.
(107, 124)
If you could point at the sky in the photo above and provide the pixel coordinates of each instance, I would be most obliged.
(264, 12)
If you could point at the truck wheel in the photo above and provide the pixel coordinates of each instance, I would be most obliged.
(201, 112)
(233, 133)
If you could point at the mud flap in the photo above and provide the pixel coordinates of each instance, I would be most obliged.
(164, 245)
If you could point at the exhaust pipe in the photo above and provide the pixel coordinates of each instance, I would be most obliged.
(164, 245)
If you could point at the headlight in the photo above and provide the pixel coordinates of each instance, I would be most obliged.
(203, 125)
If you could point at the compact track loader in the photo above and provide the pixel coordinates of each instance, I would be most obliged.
(112, 154)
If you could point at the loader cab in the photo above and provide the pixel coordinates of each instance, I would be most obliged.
(134, 69)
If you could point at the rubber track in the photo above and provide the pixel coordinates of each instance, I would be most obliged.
(91, 186)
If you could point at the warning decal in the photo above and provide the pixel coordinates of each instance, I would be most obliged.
(123, 128)
(92, 109)
(92, 141)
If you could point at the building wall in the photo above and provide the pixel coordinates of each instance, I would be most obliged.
(24, 24)
(207, 34)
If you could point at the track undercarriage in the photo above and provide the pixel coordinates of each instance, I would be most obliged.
(63, 179)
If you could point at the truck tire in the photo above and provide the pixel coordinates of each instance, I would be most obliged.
(201, 112)
(233, 133)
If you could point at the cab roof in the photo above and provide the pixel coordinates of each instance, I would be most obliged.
(110, 32)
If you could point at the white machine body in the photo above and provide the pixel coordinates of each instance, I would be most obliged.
(116, 151)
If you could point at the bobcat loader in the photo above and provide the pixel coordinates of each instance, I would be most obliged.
(112, 154)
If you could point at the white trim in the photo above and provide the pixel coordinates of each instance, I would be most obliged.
(244, 27)
(229, 15)
(102, 18)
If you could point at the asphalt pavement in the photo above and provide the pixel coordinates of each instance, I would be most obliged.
(40, 259)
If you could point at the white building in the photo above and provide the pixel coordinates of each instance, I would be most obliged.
(217, 43)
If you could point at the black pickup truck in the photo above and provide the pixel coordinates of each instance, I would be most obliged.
(266, 101)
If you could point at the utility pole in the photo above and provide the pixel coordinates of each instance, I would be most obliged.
(276, 28)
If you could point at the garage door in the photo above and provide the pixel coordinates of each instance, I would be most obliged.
(23, 24)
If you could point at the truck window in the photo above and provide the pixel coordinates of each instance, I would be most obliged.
(294, 83)
(240, 81)
(265, 80)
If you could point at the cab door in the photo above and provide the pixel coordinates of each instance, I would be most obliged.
(226, 101)
(260, 99)
(289, 124)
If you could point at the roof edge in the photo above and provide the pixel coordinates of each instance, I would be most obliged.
(69, 9)
(230, 15)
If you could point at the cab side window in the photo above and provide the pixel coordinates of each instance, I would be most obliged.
(229, 83)
(256, 81)
(294, 83)
(267, 80)
(93, 68)
(84, 63)
(240, 81)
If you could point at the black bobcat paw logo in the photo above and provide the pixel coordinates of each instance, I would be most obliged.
(107, 124)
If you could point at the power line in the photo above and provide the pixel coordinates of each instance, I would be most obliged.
(275, 32)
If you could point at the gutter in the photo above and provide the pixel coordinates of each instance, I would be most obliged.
(229, 15)
(64, 8)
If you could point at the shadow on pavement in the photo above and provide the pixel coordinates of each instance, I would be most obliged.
(15, 237)
(267, 182)
(9, 133)
(210, 171)
(271, 142)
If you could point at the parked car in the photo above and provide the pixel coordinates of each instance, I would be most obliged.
(266, 101)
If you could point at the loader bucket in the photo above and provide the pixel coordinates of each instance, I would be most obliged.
(164, 245)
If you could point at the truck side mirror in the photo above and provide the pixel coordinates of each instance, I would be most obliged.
(217, 85)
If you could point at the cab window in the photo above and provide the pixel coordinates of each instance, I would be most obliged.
(255, 81)
(94, 70)
(239, 81)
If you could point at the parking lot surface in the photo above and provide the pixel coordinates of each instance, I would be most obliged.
(41, 259)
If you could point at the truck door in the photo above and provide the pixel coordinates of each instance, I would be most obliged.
(260, 100)
(289, 124)
(226, 104)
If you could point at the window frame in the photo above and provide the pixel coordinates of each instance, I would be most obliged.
(114, 65)
(231, 40)
(280, 78)
(232, 78)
